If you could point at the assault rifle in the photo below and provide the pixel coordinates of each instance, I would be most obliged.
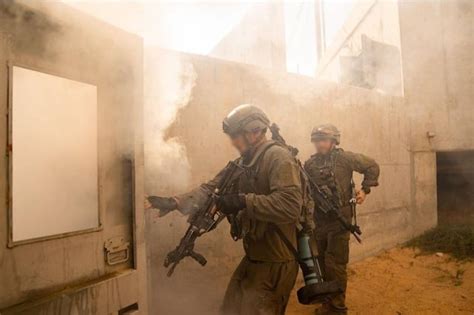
(328, 205)
(321, 198)
(204, 220)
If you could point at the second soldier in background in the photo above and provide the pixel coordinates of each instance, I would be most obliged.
(331, 168)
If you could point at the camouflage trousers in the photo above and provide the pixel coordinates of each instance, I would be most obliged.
(260, 288)
(333, 254)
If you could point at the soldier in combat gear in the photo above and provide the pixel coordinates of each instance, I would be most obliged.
(269, 194)
(331, 168)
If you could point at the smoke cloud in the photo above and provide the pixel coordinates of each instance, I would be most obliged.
(169, 82)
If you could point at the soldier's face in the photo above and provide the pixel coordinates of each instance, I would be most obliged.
(240, 143)
(324, 146)
(243, 142)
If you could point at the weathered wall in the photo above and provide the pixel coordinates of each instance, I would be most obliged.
(438, 67)
(370, 123)
(259, 38)
(53, 38)
(438, 71)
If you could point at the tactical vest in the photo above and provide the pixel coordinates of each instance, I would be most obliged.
(323, 174)
(306, 220)
(251, 168)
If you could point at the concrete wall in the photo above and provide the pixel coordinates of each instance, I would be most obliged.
(68, 275)
(438, 71)
(259, 38)
(370, 123)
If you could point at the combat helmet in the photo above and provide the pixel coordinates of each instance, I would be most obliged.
(326, 131)
(245, 118)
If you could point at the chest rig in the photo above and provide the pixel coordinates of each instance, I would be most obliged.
(323, 173)
(241, 225)
(251, 167)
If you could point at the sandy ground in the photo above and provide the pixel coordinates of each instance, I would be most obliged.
(401, 281)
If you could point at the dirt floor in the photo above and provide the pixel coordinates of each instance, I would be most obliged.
(401, 281)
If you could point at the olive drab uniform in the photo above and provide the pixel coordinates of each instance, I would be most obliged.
(271, 182)
(333, 173)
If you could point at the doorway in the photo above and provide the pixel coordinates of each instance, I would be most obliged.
(455, 187)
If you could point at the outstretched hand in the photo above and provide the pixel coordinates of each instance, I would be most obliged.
(164, 204)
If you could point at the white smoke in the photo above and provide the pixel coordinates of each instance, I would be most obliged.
(169, 82)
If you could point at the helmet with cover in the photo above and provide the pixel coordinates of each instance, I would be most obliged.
(245, 118)
(326, 131)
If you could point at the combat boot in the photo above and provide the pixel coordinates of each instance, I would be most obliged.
(337, 310)
(325, 309)
(328, 309)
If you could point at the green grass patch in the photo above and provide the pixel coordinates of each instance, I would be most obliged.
(457, 240)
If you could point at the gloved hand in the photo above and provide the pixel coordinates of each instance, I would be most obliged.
(164, 204)
(231, 204)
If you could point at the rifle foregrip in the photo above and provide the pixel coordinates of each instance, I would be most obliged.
(167, 262)
(357, 230)
(199, 258)
(357, 237)
(171, 270)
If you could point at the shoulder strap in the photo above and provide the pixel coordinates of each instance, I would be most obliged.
(285, 240)
(260, 154)
(304, 267)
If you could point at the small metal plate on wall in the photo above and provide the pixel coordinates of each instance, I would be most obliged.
(117, 250)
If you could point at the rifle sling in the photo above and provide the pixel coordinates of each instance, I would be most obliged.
(304, 267)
